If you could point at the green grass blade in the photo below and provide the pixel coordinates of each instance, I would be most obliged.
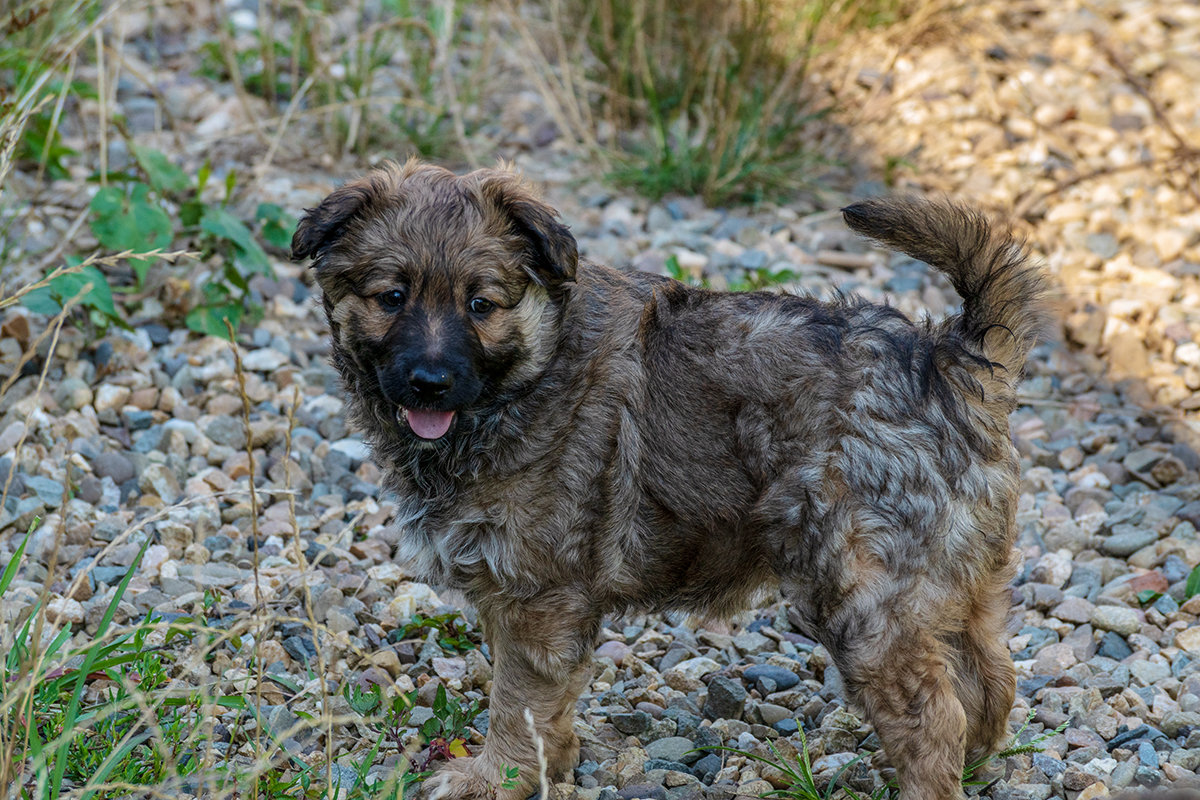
(115, 757)
(14, 564)
(93, 654)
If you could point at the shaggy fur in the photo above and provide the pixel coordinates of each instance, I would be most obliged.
(622, 441)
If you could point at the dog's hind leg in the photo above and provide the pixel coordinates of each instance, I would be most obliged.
(902, 679)
(984, 673)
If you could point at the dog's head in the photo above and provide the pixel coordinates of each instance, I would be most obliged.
(442, 291)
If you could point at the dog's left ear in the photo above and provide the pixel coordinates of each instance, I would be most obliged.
(320, 227)
(553, 253)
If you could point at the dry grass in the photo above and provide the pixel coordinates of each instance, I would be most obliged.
(704, 98)
(396, 80)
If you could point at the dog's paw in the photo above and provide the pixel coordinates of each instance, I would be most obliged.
(463, 779)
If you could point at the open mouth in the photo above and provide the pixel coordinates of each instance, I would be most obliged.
(427, 424)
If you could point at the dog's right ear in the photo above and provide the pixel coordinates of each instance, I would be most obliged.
(320, 227)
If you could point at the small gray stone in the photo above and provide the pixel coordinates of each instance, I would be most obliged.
(1149, 672)
(1114, 647)
(108, 576)
(136, 419)
(706, 767)
(73, 394)
(1104, 245)
(784, 678)
(356, 449)
(673, 748)
(1049, 766)
(218, 541)
(1148, 777)
(264, 360)
(419, 716)
(340, 620)
(697, 668)
(642, 791)
(300, 648)
(108, 529)
(1118, 619)
(1176, 721)
(772, 714)
(1075, 610)
(113, 465)
(1004, 791)
(160, 480)
(227, 431)
(1125, 540)
(344, 778)
(752, 643)
(91, 489)
(726, 699)
(786, 727)
(1188, 759)
(1148, 755)
(752, 259)
(326, 599)
(50, 492)
(1142, 459)
(630, 723)
(149, 439)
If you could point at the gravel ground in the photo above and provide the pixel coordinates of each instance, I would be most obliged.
(1081, 117)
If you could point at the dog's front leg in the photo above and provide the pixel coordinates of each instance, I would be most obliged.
(541, 651)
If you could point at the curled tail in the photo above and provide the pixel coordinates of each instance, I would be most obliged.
(1003, 293)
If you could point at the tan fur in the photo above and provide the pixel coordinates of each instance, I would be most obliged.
(636, 443)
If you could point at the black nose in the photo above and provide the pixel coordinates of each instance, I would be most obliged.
(429, 384)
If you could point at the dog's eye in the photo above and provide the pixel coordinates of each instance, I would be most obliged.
(391, 300)
(481, 305)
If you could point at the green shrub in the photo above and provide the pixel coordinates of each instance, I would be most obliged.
(141, 213)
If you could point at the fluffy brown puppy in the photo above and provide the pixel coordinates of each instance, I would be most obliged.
(567, 440)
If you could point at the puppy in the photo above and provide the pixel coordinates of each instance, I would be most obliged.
(567, 440)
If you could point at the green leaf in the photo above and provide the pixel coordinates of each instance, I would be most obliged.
(210, 320)
(202, 177)
(1147, 596)
(130, 222)
(439, 700)
(278, 226)
(363, 702)
(1192, 587)
(98, 296)
(224, 225)
(430, 728)
(190, 213)
(674, 270)
(50, 299)
(41, 301)
(164, 176)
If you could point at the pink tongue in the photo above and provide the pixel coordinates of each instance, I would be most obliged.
(429, 424)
